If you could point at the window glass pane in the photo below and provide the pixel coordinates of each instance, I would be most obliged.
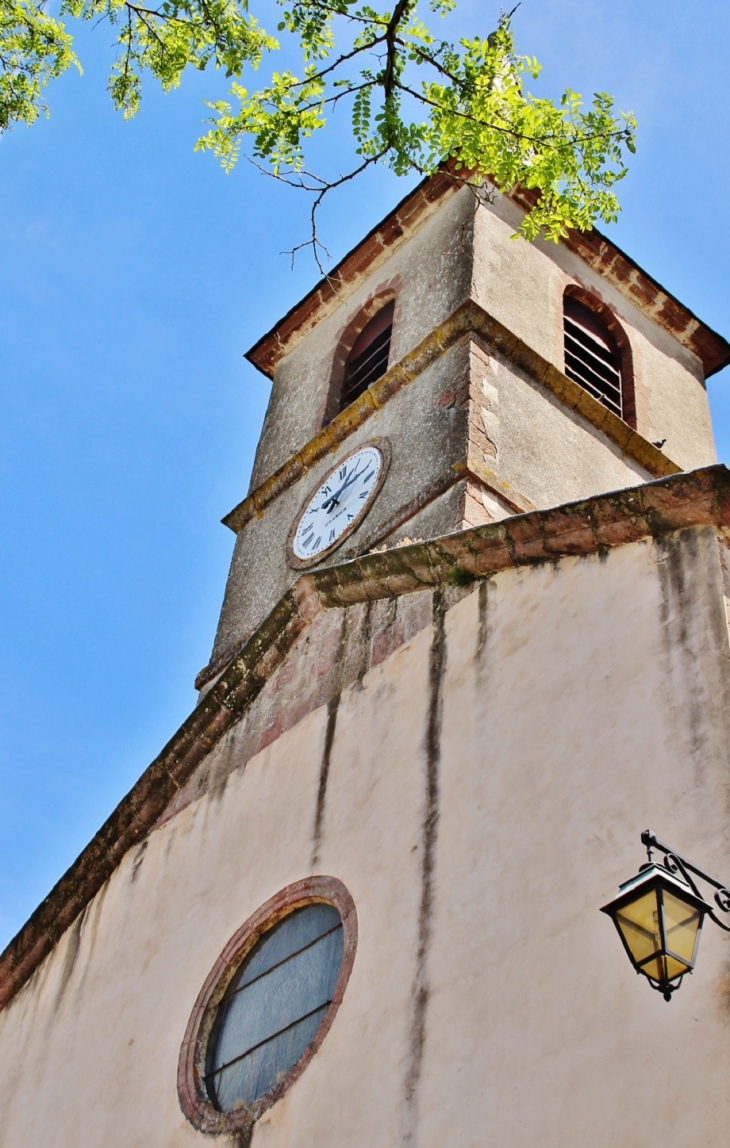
(674, 968)
(656, 969)
(283, 991)
(258, 1072)
(293, 933)
(278, 999)
(284, 995)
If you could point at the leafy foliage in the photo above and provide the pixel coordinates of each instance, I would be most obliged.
(34, 49)
(176, 35)
(415, 100)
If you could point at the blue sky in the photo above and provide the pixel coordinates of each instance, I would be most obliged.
(134, 276)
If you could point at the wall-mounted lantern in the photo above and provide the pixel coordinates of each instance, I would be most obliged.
(659, 915)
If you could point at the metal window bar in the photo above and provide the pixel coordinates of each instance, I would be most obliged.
(209, 1077)
(363, 371)
(229, 994)
(593, 367)
(304, 1000)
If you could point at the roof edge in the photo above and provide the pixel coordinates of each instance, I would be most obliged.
(654, 509)
(401, 221)
(595, 248)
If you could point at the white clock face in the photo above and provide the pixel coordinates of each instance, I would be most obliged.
(340, 501)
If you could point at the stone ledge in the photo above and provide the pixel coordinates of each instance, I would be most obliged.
(699, 498)
(468, 319)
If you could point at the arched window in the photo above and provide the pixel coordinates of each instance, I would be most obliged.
(597, 356)
(368, 359)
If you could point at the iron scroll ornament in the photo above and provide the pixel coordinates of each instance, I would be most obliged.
(674, 862)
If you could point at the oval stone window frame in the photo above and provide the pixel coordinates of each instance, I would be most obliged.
(194, 1099)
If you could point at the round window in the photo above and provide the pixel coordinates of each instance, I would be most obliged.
(267, 1005)
(274, 1005)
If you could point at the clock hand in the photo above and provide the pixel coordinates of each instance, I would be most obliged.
(353, 479)
(334, 499)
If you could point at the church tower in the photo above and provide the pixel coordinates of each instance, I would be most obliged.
(474, 639)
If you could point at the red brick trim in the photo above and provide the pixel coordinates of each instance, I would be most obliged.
(592, 247)
(193, 1097)
(654, 509)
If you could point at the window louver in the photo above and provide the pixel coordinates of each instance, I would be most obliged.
(368, 359)
(592, 357)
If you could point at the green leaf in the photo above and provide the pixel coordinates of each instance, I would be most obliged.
(414, 101)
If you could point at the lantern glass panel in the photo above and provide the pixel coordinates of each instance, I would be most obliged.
(639, 925)
(675, 968)
(682, 923)
(656, 969)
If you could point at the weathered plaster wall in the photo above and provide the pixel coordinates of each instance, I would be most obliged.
(486, 786)
(456, 254)
(522, 285)
(507, 424)
(547, 453)
(428, 438)
(430, 275)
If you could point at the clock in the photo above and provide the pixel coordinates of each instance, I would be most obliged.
(338, 505)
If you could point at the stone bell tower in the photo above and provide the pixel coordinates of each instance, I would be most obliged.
(474, 639)
(472, 394)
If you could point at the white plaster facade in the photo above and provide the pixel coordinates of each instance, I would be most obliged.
(569, 723)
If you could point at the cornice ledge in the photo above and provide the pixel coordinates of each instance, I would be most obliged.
(468, 318)
(698, 498)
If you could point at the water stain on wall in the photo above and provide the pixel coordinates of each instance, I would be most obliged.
(333, 706)
(429, 833)
(681, 571)
(138, 859)
(483, 627)
(329, 736)
(69, 960)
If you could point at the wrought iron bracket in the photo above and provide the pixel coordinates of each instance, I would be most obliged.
(675, 863)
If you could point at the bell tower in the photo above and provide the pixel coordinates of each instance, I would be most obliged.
(499, 377)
